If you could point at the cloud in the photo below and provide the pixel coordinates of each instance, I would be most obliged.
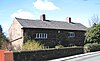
(22, 14)
(44, 5)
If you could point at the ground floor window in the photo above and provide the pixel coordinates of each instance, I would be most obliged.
(41, 36)
(71, 34)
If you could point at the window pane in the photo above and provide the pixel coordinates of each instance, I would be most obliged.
(46, 35)
(39, 35)
(71, 34)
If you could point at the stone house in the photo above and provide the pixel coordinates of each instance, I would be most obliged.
(48, 32)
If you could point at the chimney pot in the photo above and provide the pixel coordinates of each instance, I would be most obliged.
(69, 19)
(42, 17)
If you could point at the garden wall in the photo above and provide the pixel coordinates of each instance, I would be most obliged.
(41, 55)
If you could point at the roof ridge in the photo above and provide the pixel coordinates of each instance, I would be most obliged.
(46, 20)
(38, 19)
(22, 18)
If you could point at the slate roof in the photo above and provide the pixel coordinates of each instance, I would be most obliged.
(50, 24)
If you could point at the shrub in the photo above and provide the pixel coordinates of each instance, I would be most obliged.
(91, 47)
(3, 41)
(59, 46)
(93, 34)
(32, 45)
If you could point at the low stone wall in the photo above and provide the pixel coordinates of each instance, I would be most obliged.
(42, 55)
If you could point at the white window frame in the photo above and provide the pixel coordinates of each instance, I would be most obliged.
(71, 34)
(41, 36)
(36, 35)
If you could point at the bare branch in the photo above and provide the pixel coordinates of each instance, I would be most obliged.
(94, 19)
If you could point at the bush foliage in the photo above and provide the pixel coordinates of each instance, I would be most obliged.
(3, 41)
(59, 46)
(91, 47)
(32, 45)
(93, 34)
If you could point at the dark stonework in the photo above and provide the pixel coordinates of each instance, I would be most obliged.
(45, 55)
(56, 37)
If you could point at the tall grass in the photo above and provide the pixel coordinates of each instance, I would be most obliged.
(32, 45)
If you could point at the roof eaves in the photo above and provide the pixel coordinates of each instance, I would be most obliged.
(55, 28)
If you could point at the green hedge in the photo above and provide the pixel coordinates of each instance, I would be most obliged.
(59, 46)
(91, 47)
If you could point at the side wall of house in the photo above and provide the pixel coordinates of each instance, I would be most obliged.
(15, 32)
(56, 37)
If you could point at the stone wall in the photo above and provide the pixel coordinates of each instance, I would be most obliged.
(15, 32)
(43, 55)
(56, 36)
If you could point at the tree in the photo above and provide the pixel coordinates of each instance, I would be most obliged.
(3, 39)
(0, 40)
(94, 19)
(0, 36)
(93, 34)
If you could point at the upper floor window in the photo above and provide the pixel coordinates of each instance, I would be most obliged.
(71, 34)
(41, 36)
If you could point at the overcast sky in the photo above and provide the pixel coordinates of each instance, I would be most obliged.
(79, 10)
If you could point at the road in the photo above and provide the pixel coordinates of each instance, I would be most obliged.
(93, 56)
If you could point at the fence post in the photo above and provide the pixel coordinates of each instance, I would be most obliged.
(2, 55)
(8, 56)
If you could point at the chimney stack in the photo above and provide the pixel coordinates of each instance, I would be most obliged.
(69, 19)
(42, 17)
